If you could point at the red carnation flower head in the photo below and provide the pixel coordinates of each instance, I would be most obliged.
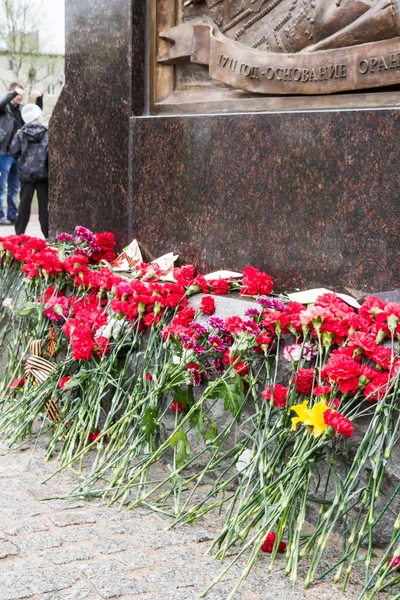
(199, 284)
(241, 368)
(339, 423)
(63, 382)
(233, 325)
(184, 275)
(263, 342)
(394, 563)
(322, 390)
(219, 286)
(207, 305)
(93, 435)
(177, 406)
(149, 377)
(255, 283)
(304, 380)
(17, 384)
(343, 370)
(269, 542)
(278, 394)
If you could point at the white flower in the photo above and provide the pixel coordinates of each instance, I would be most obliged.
(295, 352)
(244, 460)
(7, 302)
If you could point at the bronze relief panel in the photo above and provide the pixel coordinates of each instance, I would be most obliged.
(221, 55)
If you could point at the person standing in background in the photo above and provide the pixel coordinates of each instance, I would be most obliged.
(30, 147)
(10, 122)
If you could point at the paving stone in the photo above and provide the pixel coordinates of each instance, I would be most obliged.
(176, 595)
(23, 511)
(50, 579)
(10, 589)
(117, 587)
(62, 505)
(101, 568)
(135, 560)
(111, 546)
(175, 578)
(129, 526)
(73, 518)
(28, 527)
(80, 591)
(81, 534)
(7, 549)
(37, 541)
(63, 556)
(174, 554)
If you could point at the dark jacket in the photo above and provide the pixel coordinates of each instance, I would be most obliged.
(31, 147)
(11, 120)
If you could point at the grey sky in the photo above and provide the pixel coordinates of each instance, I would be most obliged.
(51, 24)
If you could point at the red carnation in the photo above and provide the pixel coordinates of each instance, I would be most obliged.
(149, 377)
(279, 394)
(233, 325)
(339, 423)
(93, 435)
(343, 370)
(241, 368)
(177, 406)
(207, 305)
(17, 384)
(63, 382)
(394, 563)
(263, 341)
(320, 390)
(255, 283)
(304, 380)
(219, 286)
(269, 542)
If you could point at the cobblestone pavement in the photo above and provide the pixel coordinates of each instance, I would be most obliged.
(59, 550)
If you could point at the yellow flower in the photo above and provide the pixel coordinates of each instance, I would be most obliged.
(313, 417)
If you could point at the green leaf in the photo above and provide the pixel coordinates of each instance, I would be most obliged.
(212, 431)
(184, 395)
(29, 308)
(149, 421)
(232, 394)
(180, 442)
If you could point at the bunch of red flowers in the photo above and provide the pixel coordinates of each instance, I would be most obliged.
(88, 317)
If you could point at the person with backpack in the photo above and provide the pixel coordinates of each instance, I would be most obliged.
(31, 147)
(10, 122)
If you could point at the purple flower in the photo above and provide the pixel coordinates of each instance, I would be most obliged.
(198, 327)
(217, 323)
(208, 371)
(82, 252)
(64, 237)
(271, 303)
(198, 350)
(250, 327)
(219, 366)
(195, 376)
(252, 312)
(84, 235)
(216, 343)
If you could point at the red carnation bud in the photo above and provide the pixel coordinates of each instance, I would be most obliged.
(269, 542)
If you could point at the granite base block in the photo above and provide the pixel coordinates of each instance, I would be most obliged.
(312, 198)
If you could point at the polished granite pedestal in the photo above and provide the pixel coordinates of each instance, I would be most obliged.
(311, 197)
